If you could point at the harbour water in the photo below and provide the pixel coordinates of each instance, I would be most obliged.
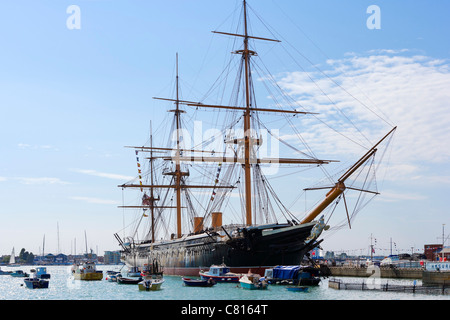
(64, 287)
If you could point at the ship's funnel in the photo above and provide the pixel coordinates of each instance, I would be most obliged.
(198, 224)
(216, 219)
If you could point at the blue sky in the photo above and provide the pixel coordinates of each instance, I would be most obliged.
(71, 99)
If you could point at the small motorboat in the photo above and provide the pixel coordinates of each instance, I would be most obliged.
(220, 273)
(198, 282)
(4, 273)
(36, 283)
(293, 275)
(253, 282)
(150, 284)
(128, 280)
(133, 272)
(41, 273)
(111, 276)
(87, 271)
(297, 288)
(20, 274)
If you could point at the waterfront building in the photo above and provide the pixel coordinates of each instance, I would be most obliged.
(434, 252)
(111, 257)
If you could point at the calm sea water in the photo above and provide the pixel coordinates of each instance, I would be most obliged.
(64, 287)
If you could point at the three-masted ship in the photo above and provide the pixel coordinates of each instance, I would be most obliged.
(205, 239)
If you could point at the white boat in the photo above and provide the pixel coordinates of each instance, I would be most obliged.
(252, 281)
(86, 271)
(152, 284)
(12, 259)
(220, 273)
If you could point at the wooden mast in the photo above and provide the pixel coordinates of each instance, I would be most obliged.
(247, 125)
(152, 196)
(177, 160)
(248, 151)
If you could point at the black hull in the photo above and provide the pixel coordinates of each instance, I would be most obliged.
(257, 249)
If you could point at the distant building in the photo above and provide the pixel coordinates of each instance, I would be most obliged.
(315, 253)
(431, 250)
(61, 259)
(111, 257)
(443, 254)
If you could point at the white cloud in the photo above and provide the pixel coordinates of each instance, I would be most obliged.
(37, 147)
(395, 196)
(42, 180)
(103, 174)
(381, 88)
(95, 200)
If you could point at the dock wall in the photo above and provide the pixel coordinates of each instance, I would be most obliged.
(383, 272)
(433, 278)
(429, 278)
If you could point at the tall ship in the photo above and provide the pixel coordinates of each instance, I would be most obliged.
(214, 201)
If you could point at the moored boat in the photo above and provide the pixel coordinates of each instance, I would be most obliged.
(298, 289)
(253, 282)
(36, 283)
(220, 273)
(12, 258)
(87, 271)
(198, 282)
(19, 274)
(133, 272)
(111, 276)
(4, 273)
(152, 284)
(41, 273)
(293, 275)
(128, 280)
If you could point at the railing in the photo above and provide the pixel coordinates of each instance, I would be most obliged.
(386, 287)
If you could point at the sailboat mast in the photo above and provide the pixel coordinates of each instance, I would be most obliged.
(177, 161)
(57, 232)
(85, 240)
(247, 125)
